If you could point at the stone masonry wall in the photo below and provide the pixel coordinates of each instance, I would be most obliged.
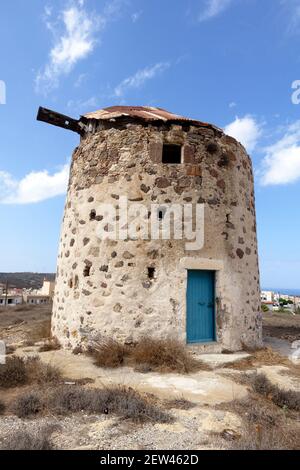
(103, 286)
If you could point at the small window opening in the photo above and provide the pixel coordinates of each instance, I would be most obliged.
(93, 215)
(151, 273)
(86, 271)
(161, 214)
(171, 154)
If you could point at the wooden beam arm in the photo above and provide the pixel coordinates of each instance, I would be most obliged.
(59, 120)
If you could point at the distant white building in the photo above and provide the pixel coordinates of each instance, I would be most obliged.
(37, 299)
(10, 300)
(267, 296)
(42, 296)
(47, 288)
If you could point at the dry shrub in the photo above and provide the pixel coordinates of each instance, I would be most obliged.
(255, 411)
(13, 372)
(19, 371)
(28, 405)
(130, 404)
(2, 407)
(265, 356)
(10, 349)
(122, 401)
(68, 399)
(165, 355)
(50, 345)
(28, 440)
(259, 438)
(77, 350)
(289, 399)
(41, 330)
(41, 372)
(265, 426)
(107, 353)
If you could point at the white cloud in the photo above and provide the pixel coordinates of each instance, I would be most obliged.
(75, 33)
(80, 79)
(246, 130)
(82, 106)
(281, 164)
(136, 16)
(34, 187)
(232, 104)
(292, 9)
(140, 77)
(213, 8)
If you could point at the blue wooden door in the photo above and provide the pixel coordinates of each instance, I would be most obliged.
(200, 306)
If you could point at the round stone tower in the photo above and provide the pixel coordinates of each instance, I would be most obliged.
(134, 168)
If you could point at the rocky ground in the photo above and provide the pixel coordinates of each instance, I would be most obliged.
(212, 408)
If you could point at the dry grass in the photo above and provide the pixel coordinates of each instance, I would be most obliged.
(179, 404)
(10, 349)
(107, 353)
(50, 345)
(121, 401)
(18, 371)
(41, 372)
(28, 440)
(266, 427)
(288, 399)
(264, 356)
(165, 355)
(255, 411)
(40, 331)
(259, 438)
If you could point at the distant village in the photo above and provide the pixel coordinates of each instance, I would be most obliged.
(276, 301)
(11, 296)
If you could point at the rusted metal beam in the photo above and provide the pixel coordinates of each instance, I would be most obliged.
(59, 120)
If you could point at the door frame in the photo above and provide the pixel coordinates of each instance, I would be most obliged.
(214, 340)
(202, 264)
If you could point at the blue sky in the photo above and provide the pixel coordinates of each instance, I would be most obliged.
(229, 62)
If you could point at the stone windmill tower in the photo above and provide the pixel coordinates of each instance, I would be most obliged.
(125, 286)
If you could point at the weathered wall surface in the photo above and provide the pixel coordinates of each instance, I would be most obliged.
(116, 298)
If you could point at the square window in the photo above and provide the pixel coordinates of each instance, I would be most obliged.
(171, 154)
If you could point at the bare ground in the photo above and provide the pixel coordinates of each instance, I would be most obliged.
(211, 408)
(281, 325)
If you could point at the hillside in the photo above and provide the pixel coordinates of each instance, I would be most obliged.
(26, 280)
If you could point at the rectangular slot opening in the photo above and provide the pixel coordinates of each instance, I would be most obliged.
(151, 273)
(171, 154)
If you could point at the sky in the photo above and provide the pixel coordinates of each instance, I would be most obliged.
(234, 63)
